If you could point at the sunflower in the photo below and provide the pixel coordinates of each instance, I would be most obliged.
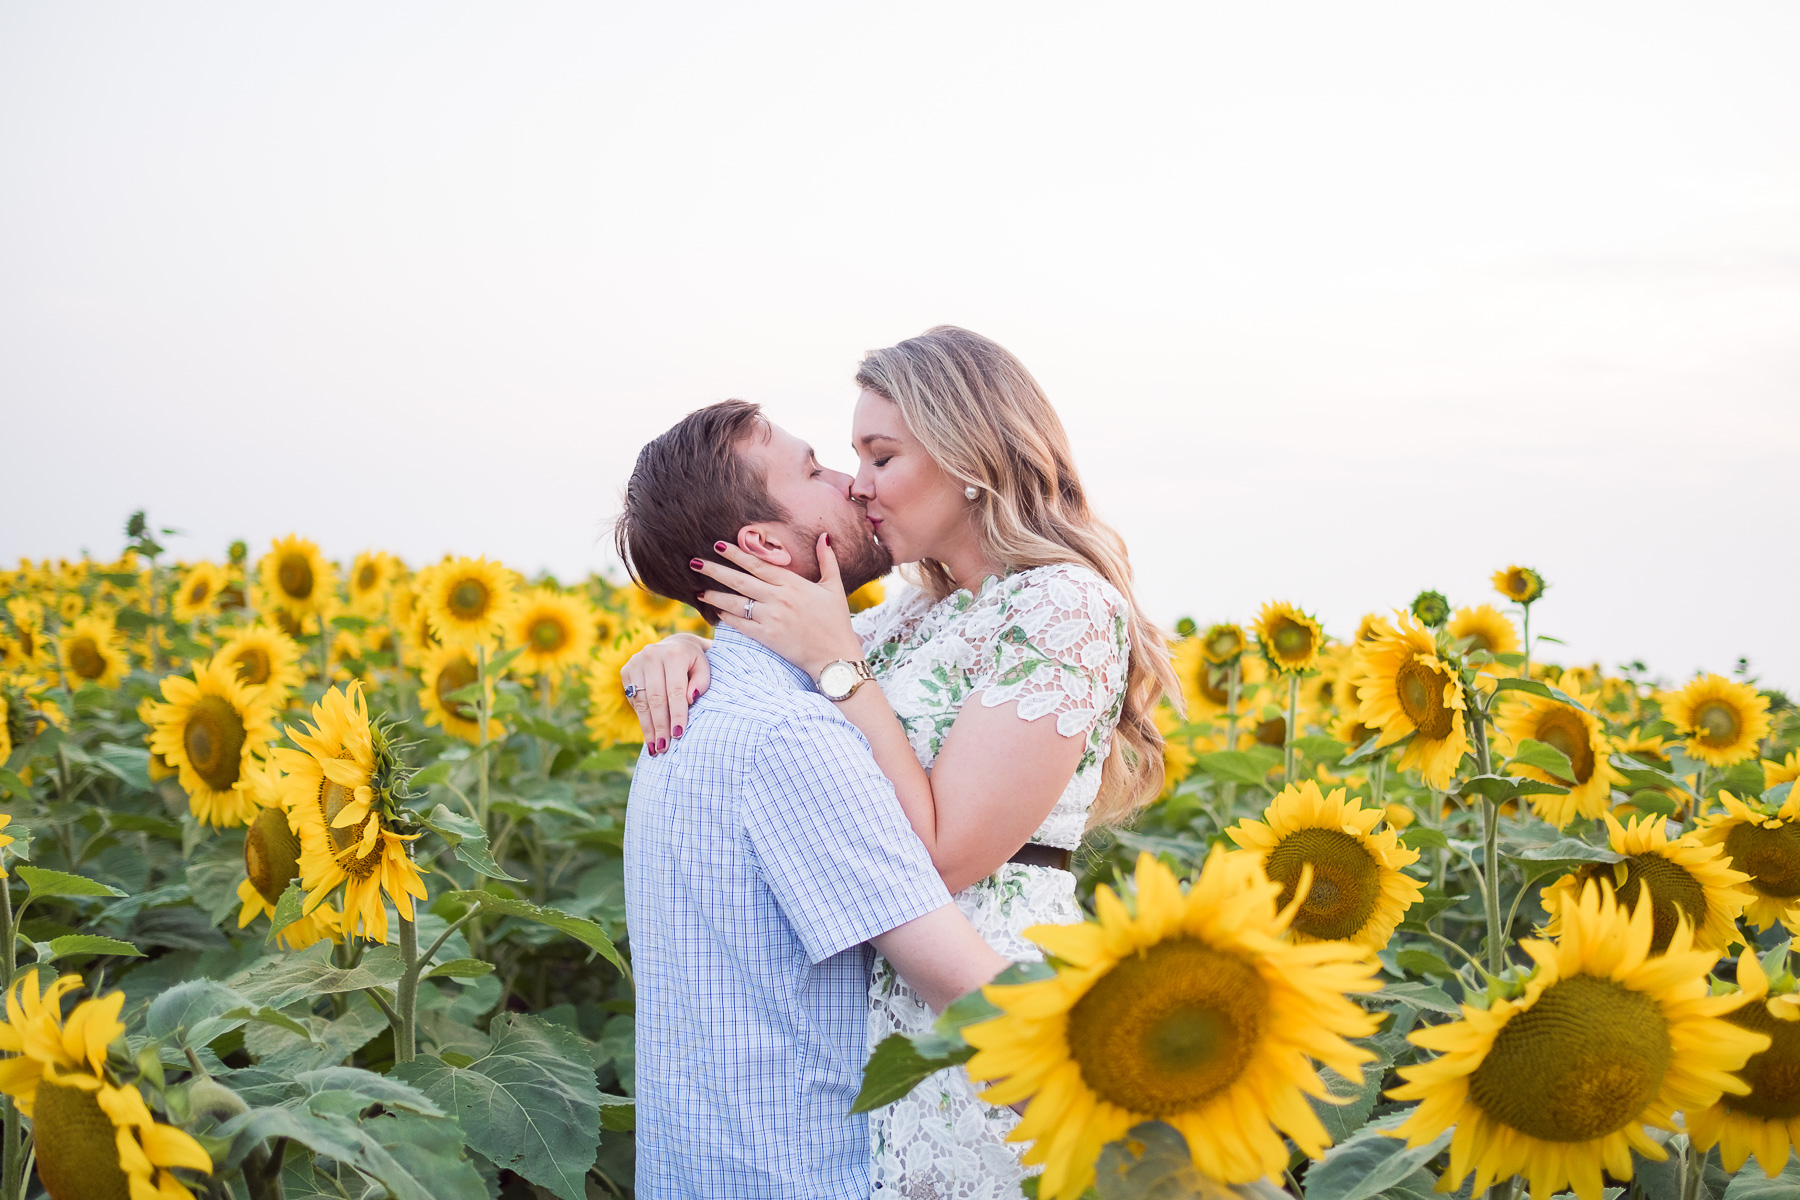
(1193, 1010)
(1579, 736)
(1369, 628)
(211, 731)
(1641, 747)
(336, 791)
(198, 593)
(92, 652)
(91, 1137)
(1521, 585)
(467, 600)
(1558, 1084)
(607, 627)
(647, 608)
(555, 630)
(264, 659)
(1221, 643)
(1766, 846)
(1781, 772)
(1486, 629)
(1290, 639)
(373, 573)
(611, 719)
(1178, 755)
(297, 579)
(867, 596)
(1723, 722)
(26, 650)
(1765, 1120)
(411, 623)
(1357, 891)
(271, 861)
(447, 670)
(1688, 881)
(1406, 688)
(69, 606)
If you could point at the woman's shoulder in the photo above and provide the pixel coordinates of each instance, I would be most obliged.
(1066, 587)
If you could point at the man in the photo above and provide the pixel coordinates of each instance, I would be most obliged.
(764, 851)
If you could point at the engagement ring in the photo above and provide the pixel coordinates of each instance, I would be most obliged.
(631, 691)
(749, 609)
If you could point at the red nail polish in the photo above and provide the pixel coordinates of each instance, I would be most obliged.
(693, 699)
(678, 731)
(719, 546)
(650, 749)
(695, 563)
(828, 540)
(662, 744)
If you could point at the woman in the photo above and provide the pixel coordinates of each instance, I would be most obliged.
(1020, 609)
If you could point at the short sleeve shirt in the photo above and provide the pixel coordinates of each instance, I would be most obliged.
(762, 852)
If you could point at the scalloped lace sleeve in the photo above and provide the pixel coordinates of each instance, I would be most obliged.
(1061, 647)
(887, 620)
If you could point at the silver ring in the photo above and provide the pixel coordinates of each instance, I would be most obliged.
(749, 610)
(631, 691)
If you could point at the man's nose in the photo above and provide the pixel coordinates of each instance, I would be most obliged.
(840, 481)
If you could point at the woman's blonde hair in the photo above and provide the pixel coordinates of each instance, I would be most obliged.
(984, 419)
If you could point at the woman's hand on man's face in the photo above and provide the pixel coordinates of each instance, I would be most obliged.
(806, 623)
(668, 677)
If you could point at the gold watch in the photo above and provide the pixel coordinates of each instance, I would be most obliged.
(839, 680)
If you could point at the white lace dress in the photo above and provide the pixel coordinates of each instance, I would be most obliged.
(1055, 640)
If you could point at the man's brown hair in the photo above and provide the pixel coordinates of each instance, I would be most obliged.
(691, 487)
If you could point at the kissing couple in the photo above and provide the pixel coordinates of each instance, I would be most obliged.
(841, 823)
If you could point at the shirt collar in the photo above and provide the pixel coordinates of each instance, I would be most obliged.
(731, 637)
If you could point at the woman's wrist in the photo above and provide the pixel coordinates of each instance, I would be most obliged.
(846, 652)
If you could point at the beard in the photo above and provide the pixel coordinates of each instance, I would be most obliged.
(861, 558)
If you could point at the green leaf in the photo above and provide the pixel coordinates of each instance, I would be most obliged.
(1500, 789)
(281, 981)
(1538, 689)
(1510, 658)
(1777, 796)
(1640, 775)
(61, 883)
(583, 931)
(194, 1013)
(12, 785)
(503, 660)
(469, 840)
(1752, 1184)
(613, 758)
(1743, 780)
(1343, 1120)
(1414, 995)
(1152, 1162)
(897, 1067)
(1422, 962)
(1371, 1163)
(430, 1151)
(1418, 837)
(1250, 767)
(128, 764)
(1320, 749)
(1653, 802)
(1565, 854)
(529, 1103)
(288, 909)
(437, 772)
(362, 1145)
(351, 622)
(461, 968)
(1544, 757)
(1373, 747)
(618, 1113)
(552, 732)
(71, 944)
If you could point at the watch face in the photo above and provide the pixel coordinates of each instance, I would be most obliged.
(837, 679)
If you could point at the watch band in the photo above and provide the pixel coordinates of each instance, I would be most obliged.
(858, 668)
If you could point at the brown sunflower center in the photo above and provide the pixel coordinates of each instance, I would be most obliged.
(1272, 732)
(214, 741)
(1773, 1074)
(1346, 882)
(469, 599)
(1169, 1028)
(1224, 643)
(1479, 641)
(27, 642)
(85, 658)
(1771, 857)
(1420, 688)
(1215, 685)
(199, 592)
(77, 1150)
(333, 797)
(548, 634)
(366, 577)
(1292, 641)
(295, 575)
(457, 674)
(1561, 728)
(1585, 1059)
(1717, 723)
(1673, 894)
(253, 665)
(271, 854)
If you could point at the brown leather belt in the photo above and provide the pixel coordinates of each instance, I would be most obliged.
(1032, 854)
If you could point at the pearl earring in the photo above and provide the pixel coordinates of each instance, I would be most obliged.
(971, 491)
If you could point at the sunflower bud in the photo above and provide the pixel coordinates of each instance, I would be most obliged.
(1431, 608)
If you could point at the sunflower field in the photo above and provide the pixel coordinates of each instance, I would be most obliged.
(313, 886)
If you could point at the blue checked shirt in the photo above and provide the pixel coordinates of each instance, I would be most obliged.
(762, 852)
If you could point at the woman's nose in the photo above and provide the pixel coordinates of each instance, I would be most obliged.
(862, 488)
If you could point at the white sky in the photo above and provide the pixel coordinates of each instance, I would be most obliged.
(1338, 301)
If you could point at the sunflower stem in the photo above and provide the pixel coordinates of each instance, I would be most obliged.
(1289, 750)
(481, 724)
(12, 1145)
(1525, 672)
(406, 994)
(1234, 678)
(1693, 1177)
(1490, 849)
(324, 653)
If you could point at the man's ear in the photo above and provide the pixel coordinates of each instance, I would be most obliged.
(767, 541)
